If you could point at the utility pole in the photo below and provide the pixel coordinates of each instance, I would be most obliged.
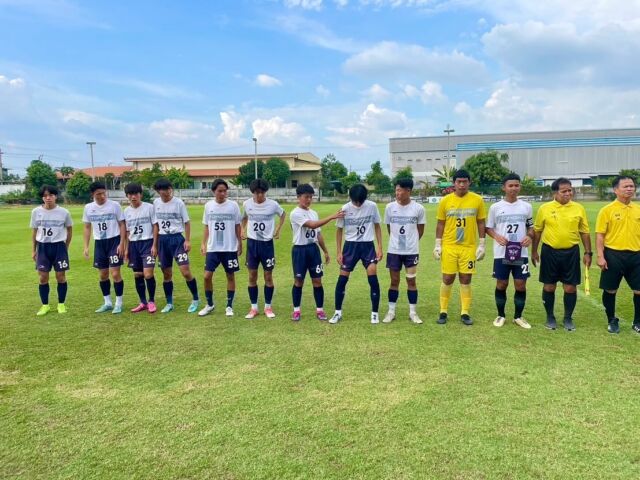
(255, 155)
(449, 131)
(93, 168)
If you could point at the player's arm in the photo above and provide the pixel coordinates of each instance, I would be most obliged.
(538, 228)
(156, 235)
(86, 236)
(338, 245)
(239, 237)
(602, 263)
(34, 243)
(327, 258)
(123, 238)
(378, 232)
(313, 224)
(244, 222)
(588, 253)
(482, 233)
(420, 227)
(205, 240)
(276, 234)
(69, 236)
(528, 238)
(187, 236)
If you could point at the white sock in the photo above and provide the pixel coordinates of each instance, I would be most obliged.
(319, 309)
(266, 305)
(412, 309)
(374, 314)
(107, 299)
(338, 312)
(296, 309)
(392, 307)
(119, 301)
(254, 306)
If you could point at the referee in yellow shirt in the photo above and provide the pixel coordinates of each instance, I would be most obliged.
(561, 224)
(461, 217)
(618, 247)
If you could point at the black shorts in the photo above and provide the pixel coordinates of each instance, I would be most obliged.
(52, 255)
(395, 261)
(105, 253)
(170, 248)
(560, 265)
(502, 270)
(620, 264)
(260, 252)
(140, 255)
(306, 258)
(228, 260)
(354, 252)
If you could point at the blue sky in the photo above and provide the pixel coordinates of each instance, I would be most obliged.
(340, 76)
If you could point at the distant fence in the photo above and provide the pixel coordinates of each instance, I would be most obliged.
(11, 187)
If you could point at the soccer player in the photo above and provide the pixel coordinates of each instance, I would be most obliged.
(221, 243)
(305, 254)
(142, 246)
(561, 224)
(618, 248)
(105, 218)
(360, 222)
(405, 221)
(510, 224)
(172, 221)
(461, 217)
(259, 213)
(52, 231)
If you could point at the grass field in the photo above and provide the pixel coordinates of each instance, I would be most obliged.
(178, 396)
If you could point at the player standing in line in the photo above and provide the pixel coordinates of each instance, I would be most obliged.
(405, 221)
(461, 217)
(510, 224)
(221, 243)
(618, 247)
(52, 231)
(142, 245)
(361, 220)
(305, 254)
(259, 213)
(173, 221)
(105, 218)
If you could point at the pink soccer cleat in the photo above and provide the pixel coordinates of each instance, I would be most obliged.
(151, 306)
(140, 308)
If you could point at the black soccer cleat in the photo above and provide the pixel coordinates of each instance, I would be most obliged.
(442, 319)
(613, 326)
(466, 319)
(636, 327)
(568, 325)
(551, 323)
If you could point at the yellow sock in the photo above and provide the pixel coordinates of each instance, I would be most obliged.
(465, 299)
(445, 295)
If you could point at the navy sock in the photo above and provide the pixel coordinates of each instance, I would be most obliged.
(62, 292)
(501, 301)
(609, 302)
(570, 300)
(209, 295)
(168, 291)
(519, 300)
(548, 300)
(636, 309)
(374, 292)
(412, 295)
(151, 286)
(118, 287)
(341, 286)
(230, 295)
(253, 294)
(105, 287)
(318, 296)
(193, 288)
(43, 290)
(268, 294)
(393, 296)
(296, 295)
(142, 293)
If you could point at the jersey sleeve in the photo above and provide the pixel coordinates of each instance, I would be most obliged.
(244, 210)
(602, 221)
(119, 212)
(491, 219)
(584, 222)
(238, 219)
(204, 216)
(68, 221)
(482, 209)
(422, 216)
(85, 217)
(184, 212)
(154, 219)
(538, 225)
(442, 210)
(529, 222)
(340, 221)
(296, 218)
(32, 224)
(376, 214)
(386, 215)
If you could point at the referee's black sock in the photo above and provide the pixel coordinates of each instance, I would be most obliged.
(570, 300)
(549, 300)
(519, 300)
(341, 286)
(636, 309)
(609, 302)
(501, 301)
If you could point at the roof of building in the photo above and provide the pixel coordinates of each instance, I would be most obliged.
(116, 170)
(304, 156)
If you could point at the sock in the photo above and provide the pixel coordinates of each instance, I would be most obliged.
(374, 292)
(118, 287)
(519, 300)
(412, 295)
(230, 295)
(609, 302)
(193, 288)
(636, 309)
(268, 295)
(341, 286)
(168, 291)
(549, 300)
(318, 296)
(140, 289)
(465, 299)
(392, 295)
(445, 296)
(570, 300)
(105, 287)
(501, 301)
(296, 295)
(209, 295)
(62, 292)
(151, 287)
(253, 296)
(43, 290)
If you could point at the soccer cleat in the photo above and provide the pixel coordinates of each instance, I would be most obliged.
(295, 316)
(62, 308)
(253, 313)
(442, 318)
(44, 309)
(167, 308)
(614, 326)
(466, 319)
(568, 325)
(206, 310)
(228, 312)
(551, 323)
(139, 308)
(415, 318)
(193, 308)
(389, 317)
(321, 315)
(117, 309)
(636, 327)
(151, 306)
(499, 321)
(268, 311)
(335, 319)
(104, 308)
(521, 322)
(374, 318)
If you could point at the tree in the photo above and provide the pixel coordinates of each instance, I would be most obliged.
(350, 180)
(445, 174)
(39, 173)
(130, 176)
(405, 172)
(486, 168)
(110, 180)
(602, 186)
(631, 172)
(179, 177)
(276, 172)
(247, 173)
(78, 186)
(331, 170)
(148, 176)
(378, 179)
(66, 171)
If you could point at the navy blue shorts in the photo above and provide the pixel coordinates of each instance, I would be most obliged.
(170, 247)
(306, 258)
(395, 261)
(260, 253)
(502, 271)
(140, 255)
(105, 253)
(228, 260)
(52, 255)
(354, 252)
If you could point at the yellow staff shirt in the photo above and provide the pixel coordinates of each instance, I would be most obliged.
(460, 215)
(561, 225)
(620, 225)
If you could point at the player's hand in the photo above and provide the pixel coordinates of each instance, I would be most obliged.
(602, 263)
(244, 235)
(276, 234)
(154, 252)
(526, 241)
(187, 246)
(437, 250)
(339, 214)
(34, 254)
(239, 248)
(379, 254)
(586, 259)
(327, 258)
(85, 252)
(339, 259)
(480, 250)
(500, 240)
(120, 250)
(203, 249)
(535, 258)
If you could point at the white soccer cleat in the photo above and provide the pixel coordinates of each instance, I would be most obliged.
(521, 322)
(253, 313)
(499, 321)
(228, 312)
(206, 310)
(415, 318)
(389, 317)
(335, 319)
(374, 318)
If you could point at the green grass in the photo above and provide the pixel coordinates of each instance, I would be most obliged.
(178, 396)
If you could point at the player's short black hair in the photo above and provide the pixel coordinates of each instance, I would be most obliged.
(461, 174)
(305, 188)
(53, 190)
(132, 188)
(404, 183)
(617, 178)
(259, 184)
(358, 193)
(555, 186)
(97, 185)
(217, 182)
(510, 176)
(162, 184)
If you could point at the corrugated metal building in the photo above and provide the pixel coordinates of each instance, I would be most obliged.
(581, 155)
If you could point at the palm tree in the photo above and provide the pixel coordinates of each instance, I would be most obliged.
(445, 175)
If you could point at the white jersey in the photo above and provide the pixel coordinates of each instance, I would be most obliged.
(403, 221)
(511, 220)
(261, 218)
(222, 218)
(140, 221)
(171, 216)
(301, 234)
(105, 219)
(358, 221)
(51, 224)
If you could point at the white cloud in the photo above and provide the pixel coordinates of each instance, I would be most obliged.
(157, 89)
(377, 93)
(430, 92)
(180, 130)
(304, 4)
(323, 91)
(264, 80)
(315, 33)
(234, 127)
(275, 129)
(12, 82)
